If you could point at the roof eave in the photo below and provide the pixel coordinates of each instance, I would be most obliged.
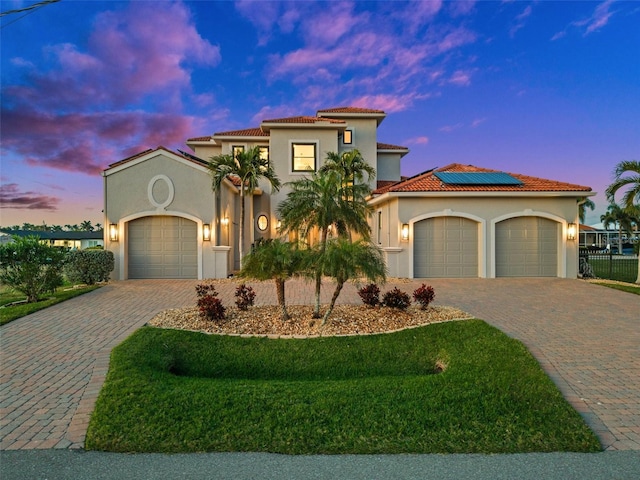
(375, 199)
(316, 125)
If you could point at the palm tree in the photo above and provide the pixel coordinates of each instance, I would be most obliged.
(582, 208)
(631, 198)
(273, 260)
(86, 226)
(627, 174)
(250, 167)
(321, 202)
(621, 218)
(343, 260)
(350, 165)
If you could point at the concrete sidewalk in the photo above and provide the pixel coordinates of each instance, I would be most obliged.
(586, 337)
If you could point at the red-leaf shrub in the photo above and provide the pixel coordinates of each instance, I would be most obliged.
(396, 298)
(244, 297)
(424, 295)
(210, 307)
(370, 295)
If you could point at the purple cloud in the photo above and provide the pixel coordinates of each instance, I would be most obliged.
(12, 197)
(421, 140)
(598, 19)
(450, 128)
(367, 53)
(89, 104)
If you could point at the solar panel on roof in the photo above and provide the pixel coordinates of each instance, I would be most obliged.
(477, 178)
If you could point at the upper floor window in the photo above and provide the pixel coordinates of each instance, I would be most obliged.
(303, 157)
(236, 149)
(264, 153)
(347, 137)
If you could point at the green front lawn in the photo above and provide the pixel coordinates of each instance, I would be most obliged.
(12, 312)
(626, 287)
(618, 268)
(178, 391)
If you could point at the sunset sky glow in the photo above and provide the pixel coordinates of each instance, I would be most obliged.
(549, 89)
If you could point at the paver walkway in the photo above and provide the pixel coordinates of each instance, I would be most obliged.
(586, 337)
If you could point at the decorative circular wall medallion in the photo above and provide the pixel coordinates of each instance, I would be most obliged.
(263, 223)
(166, 193)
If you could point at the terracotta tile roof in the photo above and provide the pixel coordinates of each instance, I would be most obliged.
(428, 182)
(304, 119)
(388, 146)
(247, 132)
(190, 158)
(348, 110)
(200, 139)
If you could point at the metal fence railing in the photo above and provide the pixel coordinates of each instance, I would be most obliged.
(602, 264)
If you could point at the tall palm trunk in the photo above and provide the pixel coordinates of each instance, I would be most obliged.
(323, 246)
(281, 300)
(336, 293)
(241, 230)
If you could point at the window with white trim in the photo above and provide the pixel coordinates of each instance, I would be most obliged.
(236, 149)
(264, 153)
(303, 157)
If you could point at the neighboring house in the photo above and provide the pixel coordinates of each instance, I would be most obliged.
(164, 221)
(72, 240)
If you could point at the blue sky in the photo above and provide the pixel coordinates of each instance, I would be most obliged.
(549, 89)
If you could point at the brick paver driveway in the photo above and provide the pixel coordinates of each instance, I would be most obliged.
(586, 337)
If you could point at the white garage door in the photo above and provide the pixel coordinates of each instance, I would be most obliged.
(527, 247)
(445, 247)
(163, 247)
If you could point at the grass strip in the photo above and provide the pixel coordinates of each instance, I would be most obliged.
(176, 391)
(627, 287)
(13, 312)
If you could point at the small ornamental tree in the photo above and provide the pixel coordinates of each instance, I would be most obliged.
(31, 267)
(275, 260)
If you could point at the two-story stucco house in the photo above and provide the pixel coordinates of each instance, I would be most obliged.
(164, 220)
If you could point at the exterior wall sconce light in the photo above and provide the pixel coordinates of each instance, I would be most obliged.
(404, 232)
(571, 231)
(263, 223)
(225, 221)
(113, 232)
(278, 224)
(206, 232)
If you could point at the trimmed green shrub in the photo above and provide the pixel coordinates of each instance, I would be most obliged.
(89, 266)
(31, 267)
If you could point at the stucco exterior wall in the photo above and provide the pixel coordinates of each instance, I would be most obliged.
(487, 211)
(388, 166)
(280, 154)
(161, 184)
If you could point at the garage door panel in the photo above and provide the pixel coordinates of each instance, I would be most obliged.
(527, 247)
(446, 247)
(162, 247)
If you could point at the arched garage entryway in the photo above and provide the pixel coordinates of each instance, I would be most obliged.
(162, 247)
(445, 247)
(527, 247)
